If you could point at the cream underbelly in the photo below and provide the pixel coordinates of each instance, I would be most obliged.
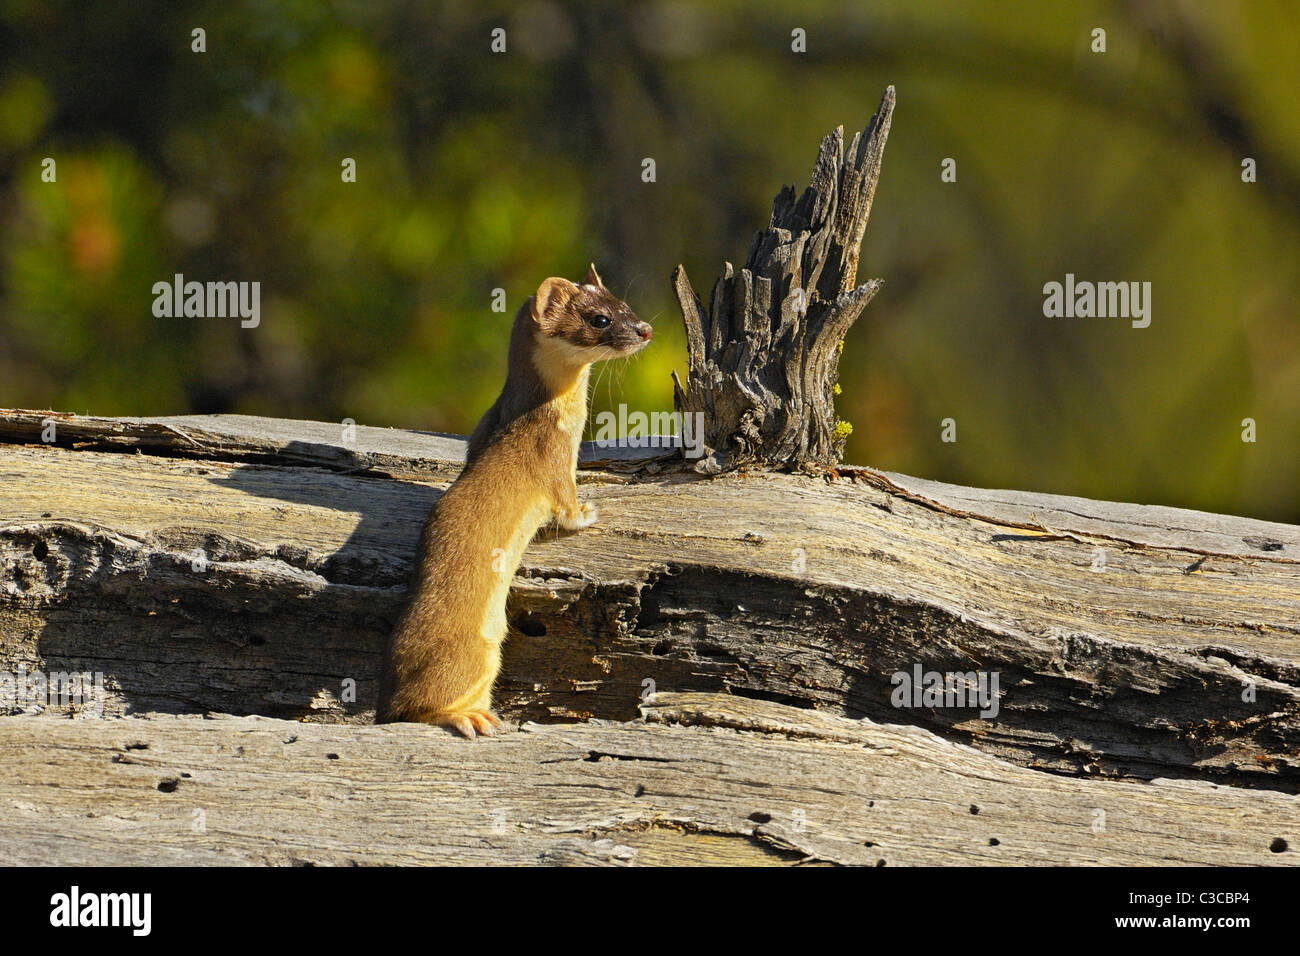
(505, 563)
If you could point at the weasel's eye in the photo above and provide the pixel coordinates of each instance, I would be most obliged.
(598, 321)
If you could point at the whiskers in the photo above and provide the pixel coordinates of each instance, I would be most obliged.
(615, 364)
(631, 282)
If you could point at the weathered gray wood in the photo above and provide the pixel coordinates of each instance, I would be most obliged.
(772, 585)
(361, 449)
(1157, 526)
(764, 357)
(705, 780)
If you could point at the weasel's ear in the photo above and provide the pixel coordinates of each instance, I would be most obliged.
(552, 296)
(592, 277)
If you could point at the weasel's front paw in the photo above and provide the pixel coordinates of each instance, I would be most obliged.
(584, 517)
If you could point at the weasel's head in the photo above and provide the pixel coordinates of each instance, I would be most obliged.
(581, 323)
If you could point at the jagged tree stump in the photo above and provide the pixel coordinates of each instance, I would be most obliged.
(764, 358)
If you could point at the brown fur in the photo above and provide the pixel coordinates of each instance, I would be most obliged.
(519, 473)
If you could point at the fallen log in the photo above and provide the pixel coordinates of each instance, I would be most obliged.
(1128, 640)
(787, 787)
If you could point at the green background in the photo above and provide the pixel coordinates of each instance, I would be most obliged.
(478, 171)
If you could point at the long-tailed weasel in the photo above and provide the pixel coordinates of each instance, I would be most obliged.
(520, 472)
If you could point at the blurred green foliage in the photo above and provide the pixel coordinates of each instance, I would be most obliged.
(478, 170)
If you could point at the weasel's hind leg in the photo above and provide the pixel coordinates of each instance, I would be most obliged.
(469, 723)
(577, 518)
